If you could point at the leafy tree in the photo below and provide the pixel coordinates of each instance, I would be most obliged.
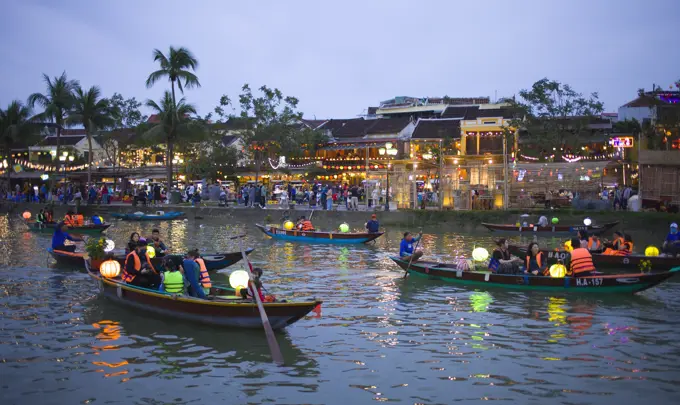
(130, 116)
(15, 125)
(552, 113)
(176, 66)
(174, 125)
(94, 113)
(56, 102)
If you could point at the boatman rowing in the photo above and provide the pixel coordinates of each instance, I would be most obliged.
(406, 247)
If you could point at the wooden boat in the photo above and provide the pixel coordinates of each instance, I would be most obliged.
(630, 262)
(216, 261)
(49, 227)
(159, 216)
(549, 230)
(318, 237)
(601, 284)
(222, 309)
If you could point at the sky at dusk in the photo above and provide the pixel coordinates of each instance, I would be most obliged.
(339, 57)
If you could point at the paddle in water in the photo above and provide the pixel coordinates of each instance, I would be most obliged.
(415, 249)
(271, 339)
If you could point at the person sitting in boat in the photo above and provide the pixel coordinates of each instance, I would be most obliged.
(535, 262)
(49, 215)
(543, 221)
(615, 245)
(61, 236)
(40, 218)
(257, 282)
(579, 262)
(172, 278)
(70, 219)
(594, 244)
(138, 269)
(671, 246)
(158, 244)
(373, 226)
(502, 261)
(192, 273)
(583, 238)
(304, 224)
(134, 240)
(203, 277)
(406, 250)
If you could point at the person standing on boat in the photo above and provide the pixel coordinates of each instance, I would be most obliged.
(138, 270)
(192, 273)
(373, 226)
(61, 236)
(671, 246)
(507, 264)
(406, 250)
(579, 262)
(535, 262)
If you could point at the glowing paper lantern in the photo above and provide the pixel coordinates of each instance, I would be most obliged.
(558, 271)
(344, 228)
(110, 245)
(567, 246)
(110, 268)
(555, 220)
(26, 215)
(238, 279)
(288, 225)
(151, 252)
(480, 254)
(651, 251)
(587, 222)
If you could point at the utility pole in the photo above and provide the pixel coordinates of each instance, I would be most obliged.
(506, 198)
(440, 189)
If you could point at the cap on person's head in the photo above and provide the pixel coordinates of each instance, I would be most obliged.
(674, 225)
(374, 216)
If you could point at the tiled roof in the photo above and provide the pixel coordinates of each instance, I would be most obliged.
(233, 124)
(388, 125)
(436, 129)
(68, 140)
(313, 124)
(352, 128)
(467, 113)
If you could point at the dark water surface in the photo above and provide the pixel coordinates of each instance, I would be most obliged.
(379, 337)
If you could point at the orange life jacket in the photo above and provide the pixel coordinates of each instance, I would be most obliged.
(69, 220)
(306, 225)
(79, 219)
(127, 277)
(538, 260)
(204, 277)
(581, 261)
(594, 244)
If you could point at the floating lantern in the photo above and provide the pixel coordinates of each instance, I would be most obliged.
(109, 246)
(151, 252)
(344, 228)
(555, 221)
(558, 271)
(587, 222)
(238, 279)
(567, 246)
(110, 268)
(651, 251)
(288, 225)
(26, 215)
(480, 254)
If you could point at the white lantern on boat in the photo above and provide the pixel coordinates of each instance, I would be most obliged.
(480, 254)
(238, 279)
(109, 246)
(587, 222)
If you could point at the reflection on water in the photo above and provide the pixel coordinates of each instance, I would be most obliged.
(379, 337)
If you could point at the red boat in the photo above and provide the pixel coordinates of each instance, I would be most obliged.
(551, 229)
(631, 262)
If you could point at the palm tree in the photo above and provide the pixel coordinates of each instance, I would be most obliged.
(173, 121)
(94, 113)
(14, 125)
(56, 102)
(176, 66)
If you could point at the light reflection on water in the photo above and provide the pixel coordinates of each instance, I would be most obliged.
(379, 337)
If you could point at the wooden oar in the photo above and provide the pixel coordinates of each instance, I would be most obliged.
(271, 339)
(415, 249)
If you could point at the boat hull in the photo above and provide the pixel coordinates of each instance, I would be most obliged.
(84, 229)
(149, 217)
(213, 262)
(223, 313)
(318, 237)
(599, 284)
(549, 230)
(631, 262)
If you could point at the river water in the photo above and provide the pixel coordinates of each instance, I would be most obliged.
(378, 337)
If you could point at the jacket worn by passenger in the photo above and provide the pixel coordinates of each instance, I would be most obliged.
(192, 273)
(580, 261)
(133, 267)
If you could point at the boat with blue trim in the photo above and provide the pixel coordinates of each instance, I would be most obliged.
(524, 228)
(295, 235)
(598, 284)
(158, 216)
